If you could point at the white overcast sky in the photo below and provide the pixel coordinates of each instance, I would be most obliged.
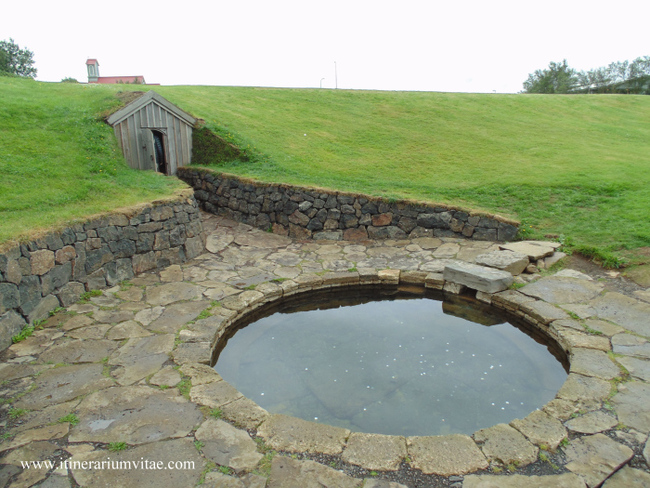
(451, 45)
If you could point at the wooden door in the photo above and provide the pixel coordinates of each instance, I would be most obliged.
(148, 150)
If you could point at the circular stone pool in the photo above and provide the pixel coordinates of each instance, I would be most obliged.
(391, 362)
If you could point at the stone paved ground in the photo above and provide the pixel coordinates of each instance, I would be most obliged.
(123, 377)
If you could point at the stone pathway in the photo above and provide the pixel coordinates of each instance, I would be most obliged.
(123, 379)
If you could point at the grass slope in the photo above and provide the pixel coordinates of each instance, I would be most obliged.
(576, 166)
(59, 162)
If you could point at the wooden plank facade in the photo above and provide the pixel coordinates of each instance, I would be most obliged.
(154, 134)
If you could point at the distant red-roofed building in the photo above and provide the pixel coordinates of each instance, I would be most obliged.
(93, 76)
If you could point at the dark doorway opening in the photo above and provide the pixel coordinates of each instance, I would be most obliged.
(159, 150)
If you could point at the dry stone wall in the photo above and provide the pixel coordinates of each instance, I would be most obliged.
(304, 213)
(41, 275)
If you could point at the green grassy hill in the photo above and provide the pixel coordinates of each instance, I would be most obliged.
(575, 166)
(58, 160)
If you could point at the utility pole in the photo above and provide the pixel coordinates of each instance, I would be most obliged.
(336, 77)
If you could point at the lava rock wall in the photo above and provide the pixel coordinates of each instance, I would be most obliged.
(304, 213)
(52, 271)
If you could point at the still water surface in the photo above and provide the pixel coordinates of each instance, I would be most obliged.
(403, 365)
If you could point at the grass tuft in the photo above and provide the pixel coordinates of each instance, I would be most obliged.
(24, 334)
(117, 446)
(71, 418)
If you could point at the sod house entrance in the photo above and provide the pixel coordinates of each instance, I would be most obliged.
(154, 134)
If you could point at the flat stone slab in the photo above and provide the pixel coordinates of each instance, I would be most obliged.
(172, 292)
(596, 457)
(285, 258)
(48, 416)
(177, 315)
(631, 345)
(200, 374)
(217, 242)
(291, 473)
(244, 413)
(191, 352)
(446, 250)
(166, 377)
(214, 394)
(216, 479)
(591, 362)
(36, 344)
(10, 372)
(592, 423)
(59, 385)
(181, 451)
(605, 328)
(587, 341)
(97, 331)
(638, 368)
(561, 409)
(135, 415)
(34, 451)
(543, 312)
(481, 278)
(41, 434)
(631, 405)
(567, 480)
(375, 483)
(513, 262)
(572, 273)
(584, 390)
(642, 295)
(129, 373)
(139, 347)
(219, 291)
(264, 240)
(445, 455)
(427, 242)
(76, 321)
(243, 300)
(112, 316)
(535, 250)
(228, 446)
(375, 451)
(504, 445)
(562, 290)
(296, 435)
(126, 330)
(28, 477)
(624, 311)
(640, 275)
(148, 315)
(79, 351)
(554, 258)
(540, 428)
(628, 477)
(171, 273)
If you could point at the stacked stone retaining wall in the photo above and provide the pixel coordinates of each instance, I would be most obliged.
(54, 270)
(303, 213)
